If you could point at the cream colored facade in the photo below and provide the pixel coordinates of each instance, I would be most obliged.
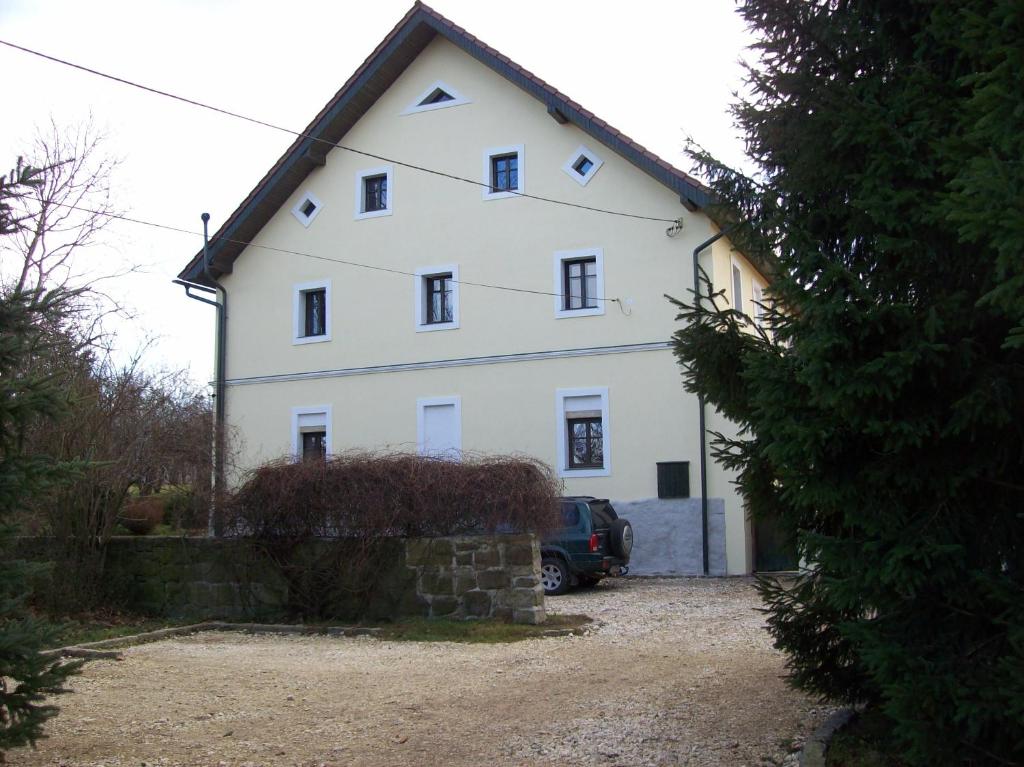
(512, 351)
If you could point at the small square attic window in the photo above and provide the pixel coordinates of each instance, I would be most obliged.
(437, 96)
(582, 165)
(307, 209)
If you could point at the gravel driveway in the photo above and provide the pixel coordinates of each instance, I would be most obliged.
(676, 672)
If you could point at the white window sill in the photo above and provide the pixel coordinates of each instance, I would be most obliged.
(584, 472)
(501, 195)
(562, 314)
(301, 340)
(429, 327)
(374, 214)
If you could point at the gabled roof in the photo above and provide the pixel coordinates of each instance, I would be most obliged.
(380, 70)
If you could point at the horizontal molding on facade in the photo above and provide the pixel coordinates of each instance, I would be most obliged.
(496, 359)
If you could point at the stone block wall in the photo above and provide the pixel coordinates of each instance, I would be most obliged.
(487, 576)
(479, 576)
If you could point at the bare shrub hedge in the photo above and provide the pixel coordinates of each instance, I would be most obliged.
(326, 525)
(362, 494)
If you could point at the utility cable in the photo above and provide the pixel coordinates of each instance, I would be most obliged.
(333, 145)
(344, 262)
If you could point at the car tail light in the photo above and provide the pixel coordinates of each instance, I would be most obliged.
(595, 543)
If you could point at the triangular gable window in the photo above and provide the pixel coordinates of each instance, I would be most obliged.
(437, 96)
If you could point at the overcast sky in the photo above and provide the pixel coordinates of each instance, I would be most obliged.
(657, 71)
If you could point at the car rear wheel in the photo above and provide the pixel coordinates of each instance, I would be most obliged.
(620, 538)
(554, 576)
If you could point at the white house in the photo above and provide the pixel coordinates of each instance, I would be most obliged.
(454, 275)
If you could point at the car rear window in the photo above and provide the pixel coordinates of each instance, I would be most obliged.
(570, 515)
(603, 513)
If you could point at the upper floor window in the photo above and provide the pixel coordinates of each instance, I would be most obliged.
(374, 193)
(311, 312)
(759, 306)
(737, 287)
(579, 282)
(437, 297)
(315, 311)
(503, 172)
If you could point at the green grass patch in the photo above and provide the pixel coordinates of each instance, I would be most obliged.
(865, 742)
(481, 632)
(83, 630)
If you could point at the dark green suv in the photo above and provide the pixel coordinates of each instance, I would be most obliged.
(592, 543)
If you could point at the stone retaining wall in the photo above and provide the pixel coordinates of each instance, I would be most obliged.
(479, 576)
(488, 576)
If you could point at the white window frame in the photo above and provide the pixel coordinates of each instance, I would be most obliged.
(561, 256)
(299, 311)
(361, 176)
(736, 271)
(758, 300)
(326, 412)
(457, 100)
(580, 152)
(422, 403)
(422, 326)
(301, 217)
(519, 151)
(562, 442)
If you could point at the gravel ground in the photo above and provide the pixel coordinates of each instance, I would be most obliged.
(674, 672)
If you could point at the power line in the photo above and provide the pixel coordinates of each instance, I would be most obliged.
(344, 262)
(333, 145)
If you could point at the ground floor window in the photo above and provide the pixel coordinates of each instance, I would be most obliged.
(311, 432)
(584, 447)
(314, 445)
(586, 443)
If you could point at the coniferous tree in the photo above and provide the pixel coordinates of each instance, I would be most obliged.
(26, 678)
(883, 412)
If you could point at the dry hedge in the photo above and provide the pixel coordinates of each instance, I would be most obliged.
(375, 495)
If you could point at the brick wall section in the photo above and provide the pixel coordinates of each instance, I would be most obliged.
(479, 577)
(461, 577)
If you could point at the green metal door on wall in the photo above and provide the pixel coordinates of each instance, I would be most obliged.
(773, 551)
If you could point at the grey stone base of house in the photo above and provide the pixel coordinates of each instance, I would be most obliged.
(669, 537)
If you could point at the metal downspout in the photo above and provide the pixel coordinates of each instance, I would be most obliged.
(700, 404)
(216, 527)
